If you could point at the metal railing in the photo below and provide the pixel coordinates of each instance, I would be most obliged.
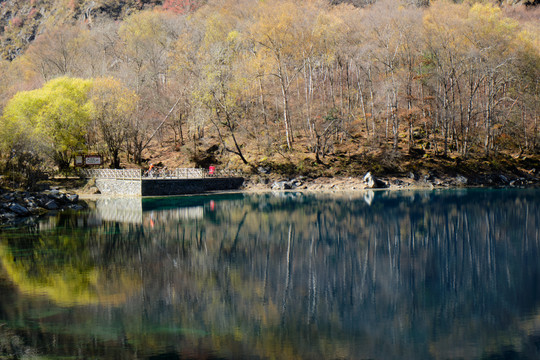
(181, 173)
(158, 173)
(228, 173)
(124, 174)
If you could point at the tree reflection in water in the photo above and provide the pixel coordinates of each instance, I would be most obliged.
(439, 274)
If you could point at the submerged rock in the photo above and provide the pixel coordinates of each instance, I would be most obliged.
(75, 207)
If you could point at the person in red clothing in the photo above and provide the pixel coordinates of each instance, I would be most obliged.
(150, 173)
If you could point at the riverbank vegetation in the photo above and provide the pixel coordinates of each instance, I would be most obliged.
(291, 87)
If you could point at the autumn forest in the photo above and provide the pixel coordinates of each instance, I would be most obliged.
(299, 86)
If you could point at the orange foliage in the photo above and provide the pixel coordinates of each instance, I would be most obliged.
(180, 6)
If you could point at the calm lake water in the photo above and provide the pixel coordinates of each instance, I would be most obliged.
(451, 274)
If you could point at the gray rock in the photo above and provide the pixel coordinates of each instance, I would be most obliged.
(504, 179)
(8, 197)
(518, 182)
(282, 185)
(54, 196)
(41, 201)
(7, 216)
(51, 205)
(461, 180)
(30, 203)
(263, 170)
(73, 198)
(372, 182)
(19, 209)
(369, 179)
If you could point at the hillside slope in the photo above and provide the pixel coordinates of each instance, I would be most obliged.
(22, 21)
(284, 88)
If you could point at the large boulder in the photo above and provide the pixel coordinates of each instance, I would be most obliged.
(18, 209)
(288, 185)
(503, 179)
(461, 180)
(51, 205)
(373, 183)
(282, 185)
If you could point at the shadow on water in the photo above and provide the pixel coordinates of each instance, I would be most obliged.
(431, 275)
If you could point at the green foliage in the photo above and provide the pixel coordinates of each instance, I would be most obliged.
(50, 121)
(23, 170)
(113, 107)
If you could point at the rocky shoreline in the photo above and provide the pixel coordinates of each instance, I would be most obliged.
(369, 181)
(17, 206)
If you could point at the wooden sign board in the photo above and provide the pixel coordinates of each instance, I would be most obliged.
(79, 160)
(93, 160)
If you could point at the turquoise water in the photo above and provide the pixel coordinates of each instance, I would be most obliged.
(451, 274)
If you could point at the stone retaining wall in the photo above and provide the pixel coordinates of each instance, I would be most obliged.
(119, 187)
(162, 187)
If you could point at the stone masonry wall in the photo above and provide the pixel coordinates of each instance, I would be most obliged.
(119, 187)
(162, 187)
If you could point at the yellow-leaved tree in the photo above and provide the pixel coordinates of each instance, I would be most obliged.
(50, 121)
(112, 113)
(281, 43)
